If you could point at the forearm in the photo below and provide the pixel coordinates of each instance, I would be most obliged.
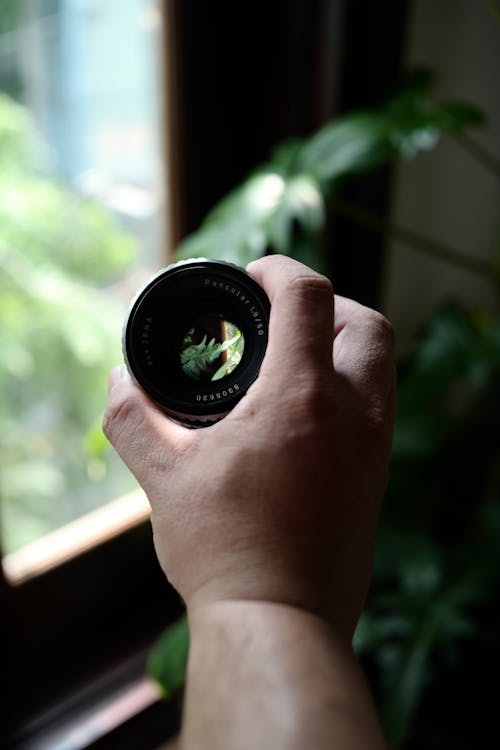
(269, 675)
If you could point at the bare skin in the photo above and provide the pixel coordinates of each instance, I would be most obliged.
(265, 522)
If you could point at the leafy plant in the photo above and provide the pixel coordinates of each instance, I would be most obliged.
(196, 358)
(437, 565)
(438, 552)
(282, 206)
(167, 661)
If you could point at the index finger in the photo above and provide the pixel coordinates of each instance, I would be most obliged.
(301, 324)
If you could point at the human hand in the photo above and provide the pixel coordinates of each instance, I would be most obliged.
(278, 501)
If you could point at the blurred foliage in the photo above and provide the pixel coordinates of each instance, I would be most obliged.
(59, 336)
(10, 13)
(281, 207)
(437, 565)
(168, 659)
(437, 568)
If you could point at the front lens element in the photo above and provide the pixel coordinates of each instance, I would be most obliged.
(195, 338)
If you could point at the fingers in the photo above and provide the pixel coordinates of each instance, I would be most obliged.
(363, 349)
(305, 330)
(141, 433)
(301, 325)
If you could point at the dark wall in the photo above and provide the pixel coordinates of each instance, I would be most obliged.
(372, 59)
(255, 73)
(250, 75)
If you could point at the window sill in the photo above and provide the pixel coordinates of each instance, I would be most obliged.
(124, 709)
(75, 538)
(79, 604)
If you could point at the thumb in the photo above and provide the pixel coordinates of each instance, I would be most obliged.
(144, 437)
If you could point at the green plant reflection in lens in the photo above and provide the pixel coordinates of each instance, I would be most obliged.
(211, 348)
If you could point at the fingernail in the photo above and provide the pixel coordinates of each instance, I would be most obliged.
(116, 375)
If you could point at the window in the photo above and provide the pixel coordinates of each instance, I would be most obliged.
(81, 224)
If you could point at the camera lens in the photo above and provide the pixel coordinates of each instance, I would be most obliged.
(195, 337)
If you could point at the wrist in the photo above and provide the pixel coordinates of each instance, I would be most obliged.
(226, 616)
(262, 587)
(222, 613)
(286, 674)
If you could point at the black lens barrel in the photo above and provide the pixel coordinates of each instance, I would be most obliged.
(160, 316)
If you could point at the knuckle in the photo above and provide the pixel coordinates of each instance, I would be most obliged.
(312, 285)
(377, 360)
(121, 409)
(313, 405)
(383, 328)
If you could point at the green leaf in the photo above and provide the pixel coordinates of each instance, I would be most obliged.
(96, 444)
(416, 82)
(406, 673)
(417, 116)
(353, 143)
(456, 116)
(301, 202)
(234, 347)
(221, 372)
(455, 360)
(168, 659)
(439, 622)
(408, 123)
(236, 229)
(258, 215)
(285, 155)
(196, 358)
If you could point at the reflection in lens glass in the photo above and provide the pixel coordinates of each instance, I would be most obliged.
(211, 348)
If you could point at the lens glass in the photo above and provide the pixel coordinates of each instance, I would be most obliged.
(211, 348)
(195, 338)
